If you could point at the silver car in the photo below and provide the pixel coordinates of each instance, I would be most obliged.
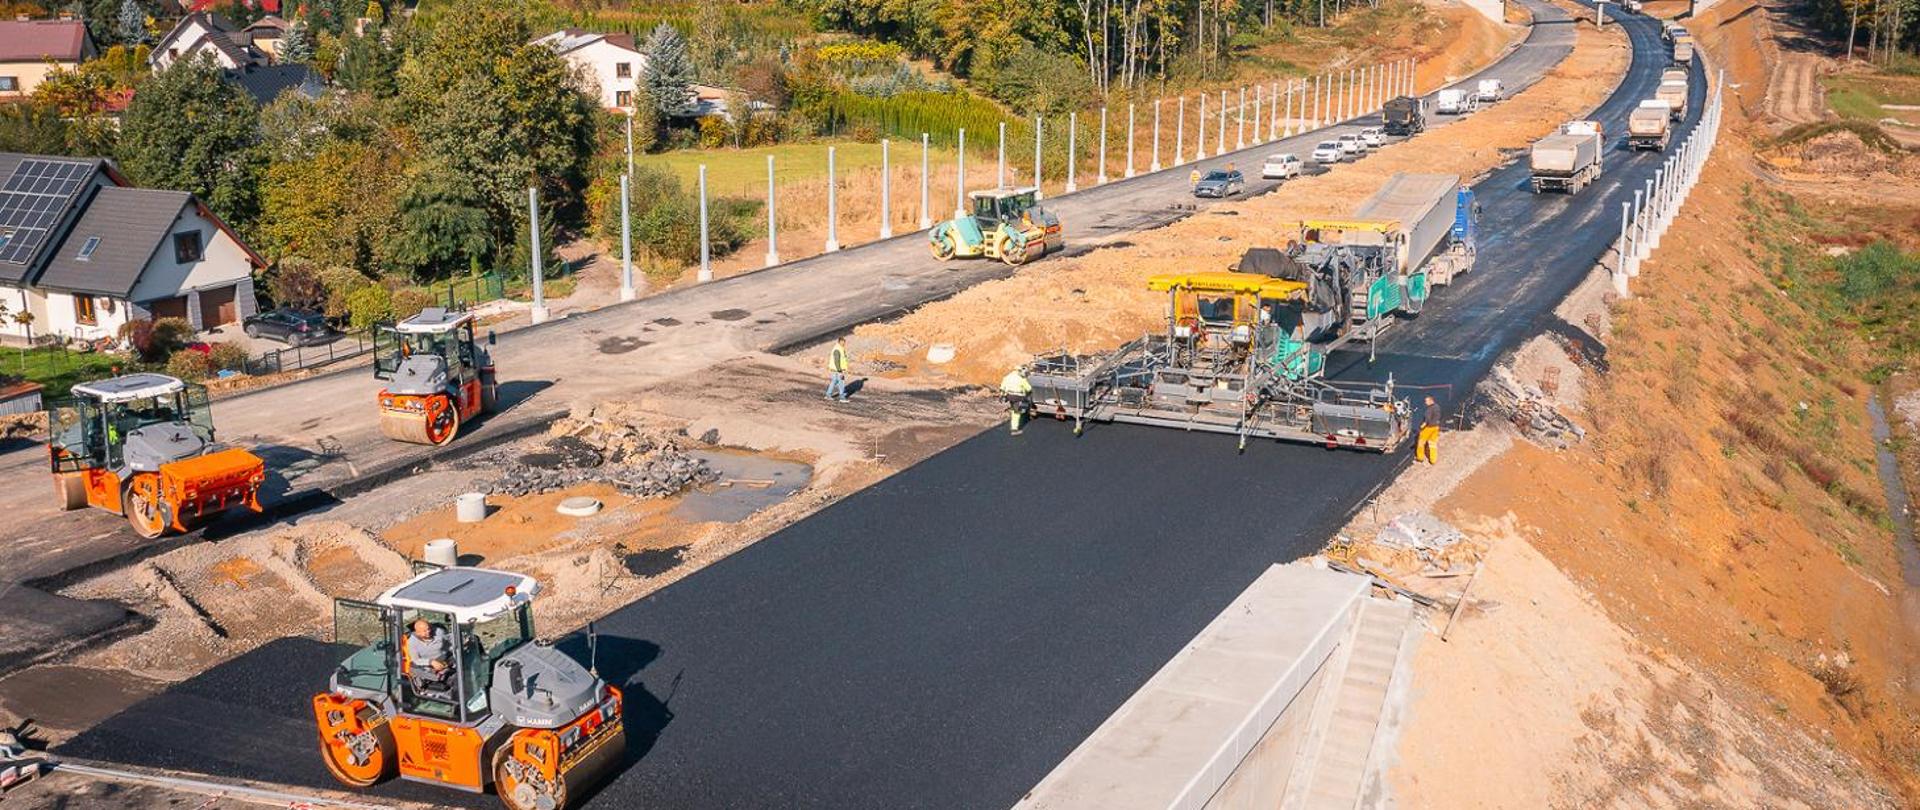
(1219, 183)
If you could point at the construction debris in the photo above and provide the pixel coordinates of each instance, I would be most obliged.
(603, 447)
(1419, 532)
(1526, 407)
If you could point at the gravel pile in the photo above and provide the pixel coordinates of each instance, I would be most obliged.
(600, 449)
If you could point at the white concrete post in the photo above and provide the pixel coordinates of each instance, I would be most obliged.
(1200, 131)
(1130, 139)
(1073, 134)
(1640, 198)
(1038, 123)
(833, 205)
(1180, 133)
(1220, 145)
(1103, 148)
(626, 243)
(1240, 121)
(629, 144)
(960, 178)
(773, 238)
(926, 183)
(1000, 176)
(1633, 240)
(886, 189)
(539, 311)
(1154, 166)
(706, 243)
(1658, 204)
(1288, 131)
(1620, 248)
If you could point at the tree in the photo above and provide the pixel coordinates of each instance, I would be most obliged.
(495, 112)
(188, 129)
(369, 64)
(297, 46)
(442, 228)
(132, 22)
(669, 79)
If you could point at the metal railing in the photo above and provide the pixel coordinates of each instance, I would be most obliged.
(295, 358)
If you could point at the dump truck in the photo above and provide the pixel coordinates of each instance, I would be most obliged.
(1436, 216)
(1673, 74)
(1674, 94)
(142, 446)
(1404, 115)
(1008, 224)
(474, 703)
(1683, 50)
(1569, 159)
(1488, 91)
(438, 377)
(1649, 125)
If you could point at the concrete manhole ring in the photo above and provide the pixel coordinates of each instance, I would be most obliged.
(578, 507)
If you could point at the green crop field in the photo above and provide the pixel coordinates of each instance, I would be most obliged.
(1865, 97)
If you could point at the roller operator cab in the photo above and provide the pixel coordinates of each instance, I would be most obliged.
(1008, 224)
(437, 376)
(486, 707)
(142, 445)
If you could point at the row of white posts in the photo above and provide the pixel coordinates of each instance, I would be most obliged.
(1653, 208)
(1309, 104)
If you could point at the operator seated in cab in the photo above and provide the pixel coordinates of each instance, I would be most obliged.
(429, 658)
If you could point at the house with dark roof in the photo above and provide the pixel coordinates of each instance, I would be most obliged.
(30, 49)
(264, 83)
(265, 35)
(83, 252)
(204, 32)
(609, 61)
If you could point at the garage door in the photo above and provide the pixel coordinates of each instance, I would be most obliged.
(169, 308)
(216, 308)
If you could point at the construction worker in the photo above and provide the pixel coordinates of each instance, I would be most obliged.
(1193, 179)
(837, 370)
(1019, 393)
(1427, 447)
(429, 653)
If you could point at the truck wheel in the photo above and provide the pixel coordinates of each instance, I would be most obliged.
(69, 491)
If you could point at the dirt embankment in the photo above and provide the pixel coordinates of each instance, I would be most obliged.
(1099, 300)
(1702, 603)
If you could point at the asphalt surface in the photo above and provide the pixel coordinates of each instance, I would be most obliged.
(943, 638)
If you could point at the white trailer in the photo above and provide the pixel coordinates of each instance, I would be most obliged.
(1427, 206)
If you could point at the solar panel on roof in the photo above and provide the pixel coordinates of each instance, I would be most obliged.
(31, 201)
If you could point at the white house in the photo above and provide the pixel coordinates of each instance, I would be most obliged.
(209, 33)
(84, 253)
(609, 61)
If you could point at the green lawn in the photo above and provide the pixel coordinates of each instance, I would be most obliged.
(743, 172)
(59, 369)
(1862, 97)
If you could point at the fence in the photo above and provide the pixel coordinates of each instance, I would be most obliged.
(295, 358)
(466, 292)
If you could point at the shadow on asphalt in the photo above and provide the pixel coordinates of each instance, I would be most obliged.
(514, 392)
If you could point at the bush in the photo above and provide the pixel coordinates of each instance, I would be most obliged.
(1870, 272)
(229, 356)
(714, 132)
(298, 286)
(188, 364)
(408, 301)
(153, 341)
(368, 305)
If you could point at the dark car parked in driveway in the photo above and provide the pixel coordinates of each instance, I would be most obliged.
(1220, 184)
(291, 327)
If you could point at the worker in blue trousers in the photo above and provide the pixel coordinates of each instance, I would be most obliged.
(1019, 394)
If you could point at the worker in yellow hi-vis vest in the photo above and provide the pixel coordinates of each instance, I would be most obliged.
(837, 370)
(1427, 447)
(1019, 394)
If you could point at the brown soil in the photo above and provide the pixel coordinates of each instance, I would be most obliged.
(1708, 579)
(517, 526)
(1099, 300)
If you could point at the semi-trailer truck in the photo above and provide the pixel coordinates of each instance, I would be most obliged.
(1648, 125)
(1405, 115)
(1674, 93)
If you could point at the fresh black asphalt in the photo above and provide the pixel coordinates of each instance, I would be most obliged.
(943, 638)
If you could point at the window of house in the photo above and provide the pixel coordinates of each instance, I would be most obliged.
(623, 70)
(83, 310)
(186, 247)
(622, 98)
(9, 83)
(86, 250)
